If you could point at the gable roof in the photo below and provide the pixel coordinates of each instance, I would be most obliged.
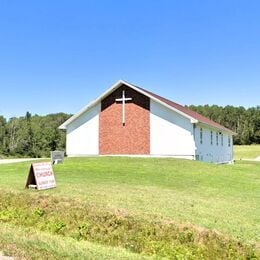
(200, 118)
(184, 111)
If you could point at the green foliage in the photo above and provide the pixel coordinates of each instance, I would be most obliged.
(220, 197)
(245, 122)
(32, 136)
(36, 136)
(190, 210)
(83, 230)
(59, 226)
(2, 134)
(29, 243)
(114, 228)
(39, 212)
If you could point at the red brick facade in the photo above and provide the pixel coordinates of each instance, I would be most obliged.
(134, 136)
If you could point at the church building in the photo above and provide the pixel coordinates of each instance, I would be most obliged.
(129, 120)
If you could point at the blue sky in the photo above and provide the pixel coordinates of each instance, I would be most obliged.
(59, 55)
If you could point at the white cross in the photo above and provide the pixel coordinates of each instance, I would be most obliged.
(123, 100)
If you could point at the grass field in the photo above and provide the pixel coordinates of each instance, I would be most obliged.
(131, 208)
(246, 151)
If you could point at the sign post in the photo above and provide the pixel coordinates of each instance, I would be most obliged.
(57, 157)
(41, 176)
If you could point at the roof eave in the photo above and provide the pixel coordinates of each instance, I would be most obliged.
(193, 120)
(218, 128)
(91, 104)
(122, 82)
(109, 91)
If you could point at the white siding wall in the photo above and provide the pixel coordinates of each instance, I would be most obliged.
(212, 152)
(171, 134)
(83, 134)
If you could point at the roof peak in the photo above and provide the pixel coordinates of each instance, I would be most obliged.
(184, 111)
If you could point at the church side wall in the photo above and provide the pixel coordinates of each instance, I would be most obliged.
(171, 134)
(218, 151)
(83, 134)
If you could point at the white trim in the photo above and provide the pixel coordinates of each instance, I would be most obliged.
(184, 157)
(91, 104)
(113, 88)
(118, 84)
(218, 128)
(161, 102)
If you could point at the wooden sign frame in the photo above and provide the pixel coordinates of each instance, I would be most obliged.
(41, 176)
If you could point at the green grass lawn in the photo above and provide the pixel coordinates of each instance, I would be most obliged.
(246, 151)
(143, 192)
(28, 243)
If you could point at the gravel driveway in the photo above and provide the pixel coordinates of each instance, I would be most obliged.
(5, 161)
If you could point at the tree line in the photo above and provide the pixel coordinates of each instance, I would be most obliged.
(245, 122)
(36, 136)
(32, 136)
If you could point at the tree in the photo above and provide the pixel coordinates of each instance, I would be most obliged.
(245, 122)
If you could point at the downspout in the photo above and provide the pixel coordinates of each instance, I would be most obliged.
(194, 140)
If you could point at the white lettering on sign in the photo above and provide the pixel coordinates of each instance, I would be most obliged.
(44, 175)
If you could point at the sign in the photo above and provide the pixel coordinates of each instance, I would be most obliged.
(41, 176)
(57, 157)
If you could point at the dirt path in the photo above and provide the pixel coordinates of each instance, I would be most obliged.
(2, 257)
(257, 159)
(5, 161)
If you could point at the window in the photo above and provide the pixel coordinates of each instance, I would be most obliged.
(194, 128)
(217, 138)
(201, 135)
(221, 139)
(229, 141)
(211, 137)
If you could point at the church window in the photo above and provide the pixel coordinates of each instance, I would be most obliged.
(229, 141)
(222, 139)
(216, 138)
(194, 129)
(211, 137)
(201, 135)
